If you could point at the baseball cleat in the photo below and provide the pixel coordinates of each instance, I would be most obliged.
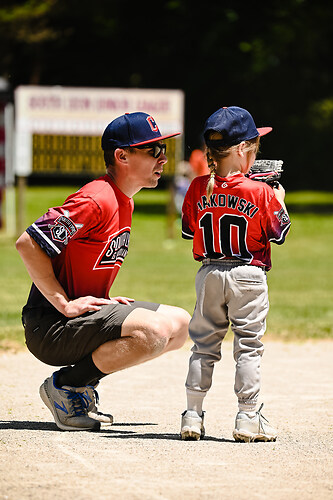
(68, 406)
(192, 427)
(92, 398)
(253, 428)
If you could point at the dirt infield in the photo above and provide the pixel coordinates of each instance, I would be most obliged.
(141, 455)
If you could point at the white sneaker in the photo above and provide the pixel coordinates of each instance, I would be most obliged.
(192, 427)
(253, 428)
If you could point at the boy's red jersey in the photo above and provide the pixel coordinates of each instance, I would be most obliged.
(239, 220)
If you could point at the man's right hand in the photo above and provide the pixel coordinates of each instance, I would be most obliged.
(79, 306)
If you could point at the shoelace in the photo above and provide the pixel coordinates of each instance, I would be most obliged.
(78, 402)
(92, 398)
(260, 418)
(96, 397)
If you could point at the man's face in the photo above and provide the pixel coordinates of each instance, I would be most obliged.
(146, 169)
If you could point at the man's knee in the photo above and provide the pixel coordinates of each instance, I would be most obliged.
(183, 318)
(151, 329)
(180, 321)
(159, 332)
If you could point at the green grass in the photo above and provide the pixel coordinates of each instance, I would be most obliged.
(301, 280)
(305, 198)
(160, 268)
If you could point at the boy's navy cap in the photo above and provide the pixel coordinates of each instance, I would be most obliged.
(132, 129)
(235, 124)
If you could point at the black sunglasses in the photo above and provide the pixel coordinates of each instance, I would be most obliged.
(157, 149)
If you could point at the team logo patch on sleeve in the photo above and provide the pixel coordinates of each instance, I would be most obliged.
(282, 217)
(115, 250)
(63, 228)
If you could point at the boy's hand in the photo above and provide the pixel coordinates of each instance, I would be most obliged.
(279, 192)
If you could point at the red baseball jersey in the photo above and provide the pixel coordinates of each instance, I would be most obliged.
(87, 239)
(239, 220)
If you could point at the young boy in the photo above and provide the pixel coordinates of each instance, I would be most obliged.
(232, 221)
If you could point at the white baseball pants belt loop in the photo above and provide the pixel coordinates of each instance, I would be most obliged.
(227, 263)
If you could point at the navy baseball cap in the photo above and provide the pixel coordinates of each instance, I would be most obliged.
(235, 124)
(132, 129)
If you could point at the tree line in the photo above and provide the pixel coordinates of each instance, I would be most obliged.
(272, 58)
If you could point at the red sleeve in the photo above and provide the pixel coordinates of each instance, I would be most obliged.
(278, 222)
(53, 230)
(188, 220)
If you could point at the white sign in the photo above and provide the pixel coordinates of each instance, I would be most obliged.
(86, 111)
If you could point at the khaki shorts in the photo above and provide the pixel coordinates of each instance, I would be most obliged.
(57, 340)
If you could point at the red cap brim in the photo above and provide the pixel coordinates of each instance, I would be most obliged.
(264, 130)
(156, 139)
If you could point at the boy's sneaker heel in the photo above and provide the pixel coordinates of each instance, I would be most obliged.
(192, 426)
(253, 428)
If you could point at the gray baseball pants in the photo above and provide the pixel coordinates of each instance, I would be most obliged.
(235, 294)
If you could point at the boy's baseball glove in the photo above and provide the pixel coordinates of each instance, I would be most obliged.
(268, 171)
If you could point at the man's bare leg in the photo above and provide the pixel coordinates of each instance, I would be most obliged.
(145, 335)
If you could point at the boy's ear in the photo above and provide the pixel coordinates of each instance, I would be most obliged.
(240, 149)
